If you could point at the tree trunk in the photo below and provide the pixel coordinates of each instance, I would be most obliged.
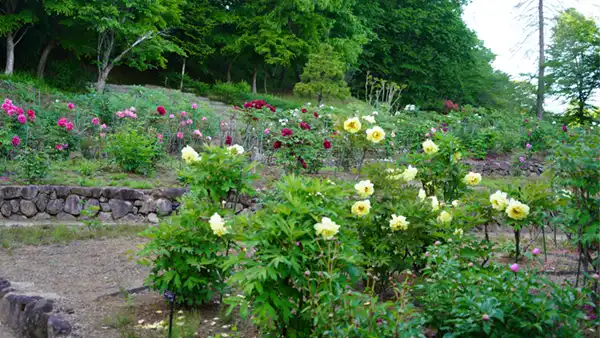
(102, 77)
(44, 59)
(182, 75)
(265, 80)
(540, 89)
(282, 78)
(254, 80)
(10, 53)
(229, 72)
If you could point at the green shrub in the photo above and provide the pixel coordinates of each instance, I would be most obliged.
(133, 150)
(232, 93)
(460, 298)
(33, 164)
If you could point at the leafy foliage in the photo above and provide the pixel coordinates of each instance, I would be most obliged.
(133, 150)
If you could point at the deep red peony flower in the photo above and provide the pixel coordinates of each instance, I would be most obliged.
(326, 144)
(161, 110)
(228, 140)
(304, 110)
(286, 132)
(277, 145)
(304, 126)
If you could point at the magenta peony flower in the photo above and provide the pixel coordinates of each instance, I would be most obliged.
(485, 317)
(159, 137)
(286, 132)
(267, 131)
(95, 121)
(16, 140)
(564, 128)
(182, 123)
(183, 113)
(528, 146)
(59, 147)
(437, 243)
(536, 251)
(326, 144)
(194, 106)
(179, 135)
(304, 126)
(161, 110)
(102, 135)
(62, 122)
(197, 133)
(204, 118)
(22, 119)
(71, 106)
(514, 268)
(189, 121)
(69, 125)
(103, 126)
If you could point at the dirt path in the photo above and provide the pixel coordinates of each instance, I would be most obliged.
(78, 273)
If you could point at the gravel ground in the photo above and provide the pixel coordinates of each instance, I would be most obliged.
(78, 273)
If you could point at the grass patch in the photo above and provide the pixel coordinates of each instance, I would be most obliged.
(62, 234)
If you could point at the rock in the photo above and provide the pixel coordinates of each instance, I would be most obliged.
(29, 192)
(62, 191)
(42, 216)
(10, 192)
(42, 201)
(28, 208)
(6, 209)
(91, 203)
(105, 216)
(55, 206)
(138, 203)
(164, 207)
(119, 208)
(245, 200)
(135, 210)
(63, 216)
(103, 199)
(57, 327)
(171, 193)
(14, 204)
(111, 193)
(152, 218)
(148, 207)
(131, 194)
(73, 205)
(130, 219)
(18, 218)
(105, 207)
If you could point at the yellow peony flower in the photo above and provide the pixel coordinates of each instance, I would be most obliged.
(361, 208)
(458, 232)
(217, 225)
(410, 173)
(499, 200)
(422, 195)
(444, 217)
(456, 157)
(375, 134)
(352, 125)
(429, 147)
(236, 149)
(327, 228)
(455, 203)
(472, 178)
(364, 188)
(399, 223)
(369, 118)
(435, 204)
(517, 210)
(189, 155)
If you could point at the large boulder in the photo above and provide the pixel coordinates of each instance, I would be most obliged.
(90, 204)
(10, 192)
(14, 204)
(6, 209)
(28, 208)
(120, 208)
(148, 207)
(29, 192)
(164, 207)
(42, 201)
(62, 191)
(73, 205)
(63, 216)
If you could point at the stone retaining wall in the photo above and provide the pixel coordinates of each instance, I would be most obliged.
(505, 168)
(64, 203)
(30, 316)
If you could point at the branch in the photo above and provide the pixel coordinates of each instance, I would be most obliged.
(22, 35)
(137, 42)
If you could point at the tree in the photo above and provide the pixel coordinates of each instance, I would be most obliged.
(132, 32)
(323, 75)
(14, 21)
(574, 60)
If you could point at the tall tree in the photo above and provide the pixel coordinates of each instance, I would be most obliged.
(574, 59)
(16, 17)
(130, 32)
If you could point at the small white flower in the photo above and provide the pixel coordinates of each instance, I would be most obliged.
(236, 149)
(374, 113)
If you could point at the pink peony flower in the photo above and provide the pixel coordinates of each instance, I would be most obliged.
(521, 159)
(286, 132)
(182, 123)
(103, 126)
(179, 135)
(204, 118)
(62, 122)
(528, 146)
(69, 125)
(22, 119)
(95, 121)
(189, 121)
(16, 140)
(536, 251)
(171, 116)
(470, 264)
(514, 268)
(194, 106)
(304, 126)
(183, 113)
(267, 131)
(485, 317)
(71, 106)
(427, 254)
(197, 133)
(596, 276)
(159, 137)
(102, 135)
(437, 243)
(59, 147)
(120, 114)
(433, 130)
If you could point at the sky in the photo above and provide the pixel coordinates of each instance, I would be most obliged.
(504, 30)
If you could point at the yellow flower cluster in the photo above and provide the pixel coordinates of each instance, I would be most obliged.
(499, 200)
(398, 223)
(444, 217)
(408, 174)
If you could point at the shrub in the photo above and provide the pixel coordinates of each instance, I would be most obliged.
(133, 150)
(232, 93)
(33, 164)
(461, 296)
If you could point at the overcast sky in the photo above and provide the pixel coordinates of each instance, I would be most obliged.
(504, 31)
